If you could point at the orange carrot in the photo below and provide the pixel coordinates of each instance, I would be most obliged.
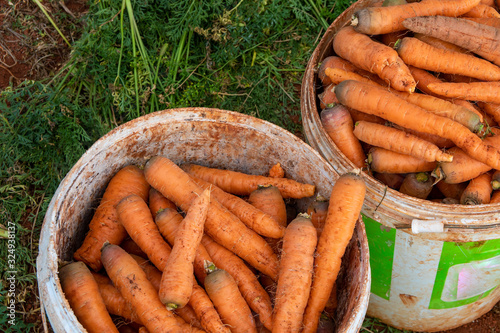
(381, 20)
(168, 221)
(382, 103)
(482, 10)
(399, 141)
(295, 277)
(416, 53)
(82, 292)
(135, 215)
(418, 185)
(345, 204)
(255, 295)
(478, 38)
(473, 91)
(258, 221)
(338, 75)
(376, 58)
(317, 211)
(132, 248)
(491, 21)
(495, 180)
(333, 62)
(392, 180)
(221, 225)
(268, 199)
(452, 191)
(357, 115)
(495, 197)
(436, 42)
(114, 301)
(385, 161)
(240, 183)
(177, 279)
(337, 122)
(327, 98)
(230, 304)
(478, 192)
(277, 171)
(131, 281)
(104, 225)
(158, 202)
(491, 109)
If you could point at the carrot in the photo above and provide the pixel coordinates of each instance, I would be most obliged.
(418, 185)
(268, 199)
(399, 141)
(168, 221)
(382, 20)
(357, 115)
(392, 180)
(338, 75)
(495, 180)
(491, 109)
(82, 292)
(495, 197)
(464, 167)
(248, 284)
(416, 53)
(239, 183)
(482, 10)
(135, 215)
(317, 211)
(452, 191)
(385, 161)
(158, 202)
(230, 304)
(221, 225)
(258, 221)
(473, 91)
(277, 171)
(131, 247)
(333, 62)
(114, 301)
(154, 276)
(345, 204)
(295, 277)
(478, 38)
(337, 122)
(327, 98)
(131, 281)
(478, 192)
(438, 43)
(382, 103)
(104, 225)
(177, 279)
(376, 58)
(491, 21)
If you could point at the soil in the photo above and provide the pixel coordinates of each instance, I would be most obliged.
(31, 49)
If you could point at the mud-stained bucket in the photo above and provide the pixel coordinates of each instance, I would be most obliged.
(209, 137)
(421, 280)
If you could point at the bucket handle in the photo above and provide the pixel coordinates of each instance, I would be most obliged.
(425, 226)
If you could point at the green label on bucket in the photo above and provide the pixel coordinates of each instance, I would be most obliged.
(467, 272)
(381, 242)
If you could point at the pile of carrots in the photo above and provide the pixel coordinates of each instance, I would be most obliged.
(411, 95)
(188, 248)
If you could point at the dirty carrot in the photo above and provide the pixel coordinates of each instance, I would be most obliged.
(492, 109)
(240, 183)
(327, 97)
(135, 215)
(392, 180)
(132, 282)
(253, 292)
(346, 200)
(333, 62)
(177, 279)
(382, 20)
(439, 43)
(418, 185)
(473, 91)
(399, 141)
(452, 191)
(158, 202)
(358, 115)
(295, 277)
(230, 304)
(495, 180)
(131, 247)
(82, 292)
(476, 37)
(277, 171)
(491, 21)
(385, 161)
(382, 103)
(168, 221)
(223, 226)
(338, 124)
(478, 192)
(495, 197)
(317, 211)
(338, 75)
(376, 58)
(104, 226)
(255, 219)
(482, 11)
(419, 54)
(268, 199)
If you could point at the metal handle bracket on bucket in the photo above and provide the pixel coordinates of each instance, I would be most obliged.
(423, 226)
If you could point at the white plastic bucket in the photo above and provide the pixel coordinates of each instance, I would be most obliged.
(209, 137)
(434, 266)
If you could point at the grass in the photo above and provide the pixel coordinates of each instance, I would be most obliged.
(134, 58)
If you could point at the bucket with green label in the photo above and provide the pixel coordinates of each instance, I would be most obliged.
(434, 266)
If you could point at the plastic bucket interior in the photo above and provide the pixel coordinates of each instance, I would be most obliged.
(210, 137)
(420, 281)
